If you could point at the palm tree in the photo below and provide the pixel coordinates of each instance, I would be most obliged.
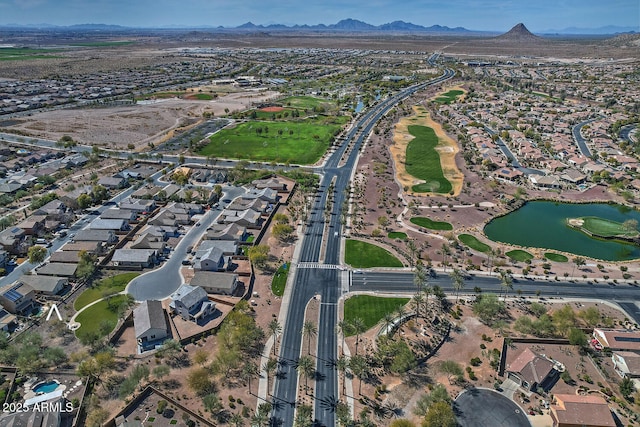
(577, 262)
(457, 279)
(236, 420)
(417, 301)
(387, 320)
(274, 329)
(446, 251)
(309, 330)
(269, 368)
(342, 364)
(506, 282)
(360, 368)
(259, 420)
(249, 371)
(358, 328)
(344, 327)
(307, 369)
(400, 312)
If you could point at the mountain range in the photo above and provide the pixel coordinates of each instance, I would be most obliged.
(345, 25)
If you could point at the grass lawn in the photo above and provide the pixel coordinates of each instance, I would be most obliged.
(301, 142)
(519, 255)
(93, 317)
(103, 44)
(279, 281)
(307, 102)
(430, 224)
(204, 96)
(449, 97)
(606, 228)
(474, 243)
(423, 161)
(363, 255)
(22, 54)
(113, 284)
(551, 256)
(397, 235)
(370, 309)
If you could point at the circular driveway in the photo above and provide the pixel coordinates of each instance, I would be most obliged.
(487, 408)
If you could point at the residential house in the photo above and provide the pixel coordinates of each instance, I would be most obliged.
(266, 194)
(248, 218)
(134, 258)
(242, 204)
(138, 205)
(113, 182)
(228, 247)
(211, 259)
(109, 224)
(8, 321)
(107, 236)
(116, 213)
(149, 240)
(168, 218)
(12, 240)
(273, 183)
(149, 323)
(47, 417)
(191, 303)
(617, 339)
(57, 269)
(33, 225)
(233, 232)
(68, 257)
(532, 371)
(55, 210)
(545, 181)
(626, 363)
(18, 298)
(216, 283)
(45, 285)
(574, 410)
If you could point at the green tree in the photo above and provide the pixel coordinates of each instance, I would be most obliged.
(440, 414)
(37, 254)
(438, 394)
(306, 368)
(199, 381)
(270, 368)
(402, 423)
(457, 279)
(84, 201)
(217, 190)
(489, 308)
(282, 232)
(627, 388)
(452, 369)
(303, 416)
(259, 255)
(309, 331)
(360, 368)
(274, 329)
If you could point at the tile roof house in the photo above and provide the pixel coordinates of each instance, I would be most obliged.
(149, 323)
(109, 224)
(531, 371)
(233, 232)
(248, 218)
(191, 303)
(216, 283)
(570, 410)
(149, 240)
(618, 339)
(45, 285)
(107, 236)
(134, 258)
(12, 240)
(626, 363)
(117, 213)
(17, 298)
(57, 269)
(266, 194)
(211, 259)
(70, 257)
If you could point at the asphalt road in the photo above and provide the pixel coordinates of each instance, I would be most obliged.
(162, 282)
(324, 283)
(577, 136)
(401, 282)
(479, 407)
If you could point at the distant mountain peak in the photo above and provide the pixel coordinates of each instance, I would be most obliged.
(519, 32)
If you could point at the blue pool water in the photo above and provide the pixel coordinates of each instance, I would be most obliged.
(47, 387)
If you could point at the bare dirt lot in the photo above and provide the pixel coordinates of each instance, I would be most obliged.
(141, 124)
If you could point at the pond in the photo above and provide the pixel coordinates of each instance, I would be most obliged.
(542, 224)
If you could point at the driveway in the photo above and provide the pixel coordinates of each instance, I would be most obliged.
(481, 407)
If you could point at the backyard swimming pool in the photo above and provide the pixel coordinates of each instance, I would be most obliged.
(47, 387)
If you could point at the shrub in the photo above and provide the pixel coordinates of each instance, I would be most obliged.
(162, 405)
(476, 361)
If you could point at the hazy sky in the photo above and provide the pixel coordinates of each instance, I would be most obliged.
(498, 15)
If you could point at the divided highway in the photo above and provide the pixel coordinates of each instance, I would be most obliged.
(324, 283)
